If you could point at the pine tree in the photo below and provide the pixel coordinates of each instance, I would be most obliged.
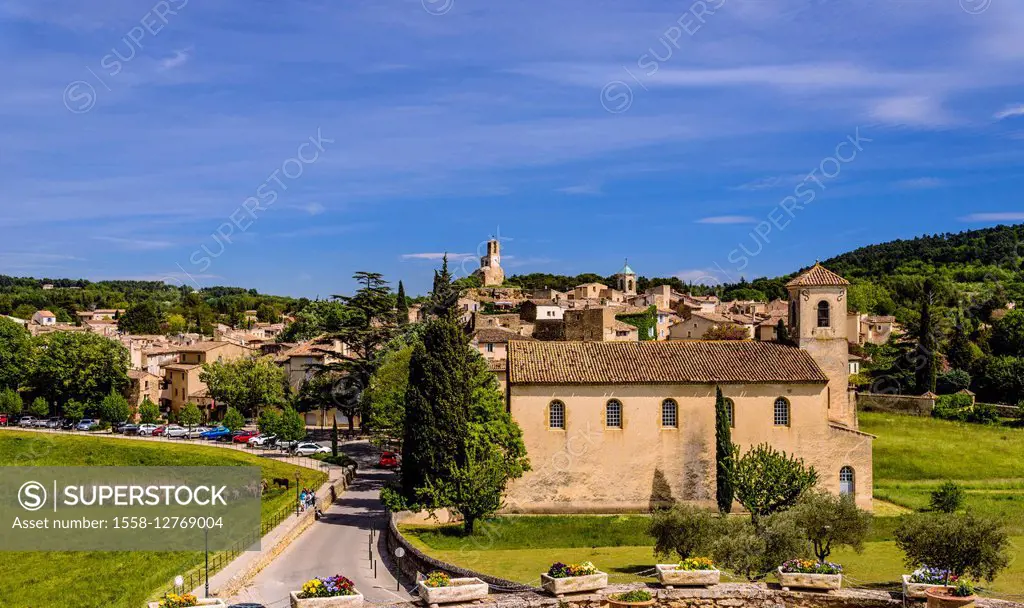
(402, 307)
(723, 455)
(925, 358)
(444, 297)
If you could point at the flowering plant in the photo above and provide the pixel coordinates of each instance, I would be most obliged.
(179, 601)
(331, 586)
(963, 588)
(437, 579)
(696, 563)
(932, 576)
(807, 566)
(560, 570)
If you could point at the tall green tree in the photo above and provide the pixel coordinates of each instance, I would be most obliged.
(724, 450)
(149, 412)
(386, 397)
(11, 402)
(39, 408)
(927, 355)
(444, 297)
(960, 352)
(15, 354)
(246, 384)
(233, 419)
(141, 318)
(114, 408)
(190, 416)
(768, 481)
(402, 305)
(293, 426)
(74, 410)
(81, 366)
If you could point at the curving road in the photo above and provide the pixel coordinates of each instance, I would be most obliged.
(337, 544)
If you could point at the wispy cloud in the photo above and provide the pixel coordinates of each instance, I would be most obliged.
(727, 219)
(1010, 112)
(584, 189)
(911, 110)
(313, 208)
(765, 183)
(135, 244)
(180, 58)
(921, 183)
(698, 276)
(1007, 216)
(452, 257)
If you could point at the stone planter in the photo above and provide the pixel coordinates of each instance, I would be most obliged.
(208, 602)
(917, 590)
(939, 597)
(614, 603)
(559, 587)
(460, 590)
(340, 601)
(821, 582)
(669, 577)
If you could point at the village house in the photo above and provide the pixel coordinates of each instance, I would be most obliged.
(615, 427)
(142, 384)
(302, 361)
(540, 310)
(182, 376)
(44, 318)
(698, 324)
(492, 344)
(101, 314)
(598, 324)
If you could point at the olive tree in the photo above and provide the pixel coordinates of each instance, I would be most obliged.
(957, 543)
(684, 530)
(830, 521)
(767, 481)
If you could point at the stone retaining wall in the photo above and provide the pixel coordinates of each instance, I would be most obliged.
(727, 595)
(904, 404)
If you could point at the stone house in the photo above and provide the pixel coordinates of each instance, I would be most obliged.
(142, 384)
(617, 427)
(182, 377)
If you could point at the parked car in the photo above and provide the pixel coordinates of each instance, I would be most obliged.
(26, 421)
(218, 433)
(119, 427)
(87, 424)
(263, 441)
(4, 420)
(41, 423)
(388, 460)
(146, 429)
(175, 431)
(130, 429)
(54, 423)
(68, 425)
(243, 436)
(309, 449)
(159, 431)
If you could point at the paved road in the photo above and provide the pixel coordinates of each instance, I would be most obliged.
(337, 544)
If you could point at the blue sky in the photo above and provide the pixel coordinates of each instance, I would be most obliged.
(325, 137)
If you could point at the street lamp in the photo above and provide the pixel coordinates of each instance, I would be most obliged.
(297, 499)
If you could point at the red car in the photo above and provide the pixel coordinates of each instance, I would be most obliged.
(244, 436)
(388, 460)
(158, 431)
(3, 420)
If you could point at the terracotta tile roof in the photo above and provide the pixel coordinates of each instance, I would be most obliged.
(496, 335)
(623, 326)
(181, 367)
(139, 374)
(678, 362)
(202, 347)
(46, 313)
(714, 317)
(818, 276)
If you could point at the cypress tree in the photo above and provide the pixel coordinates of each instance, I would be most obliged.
(402, 307)
(334, 436)
(926, 348)
(723, 455)
(436, 406)
(781, 333)
(445, 296)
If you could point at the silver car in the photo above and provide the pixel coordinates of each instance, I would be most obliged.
(176, 432)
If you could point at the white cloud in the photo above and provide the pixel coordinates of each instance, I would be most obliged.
(452, 257)
(727, 219)
(135, 244)
(910, 110)
(314, 208)
(1007, 216)
(921, 183)
(177, 60)
(1010, 112)
(588, 189)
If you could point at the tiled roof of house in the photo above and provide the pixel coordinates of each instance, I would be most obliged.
(139, 374)
(623, 326)
(496, 335)
(202, 347)
(46, 313)
(181, 367)
(714, 317)
(818, 276)
(682, 362)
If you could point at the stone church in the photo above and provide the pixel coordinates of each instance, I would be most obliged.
(623, 426)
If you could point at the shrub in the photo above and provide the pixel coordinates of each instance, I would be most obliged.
(39, 408)
(963, 588)
(74, 410)
(190, 416)
(11, 402)
(949, 498)
(953, 381)
(767, 481)
(959, 544)
(233, 419)
(830, 521)
(114, 408)
(684, 530)
(754, 552)
(634, 596)
(148, 412)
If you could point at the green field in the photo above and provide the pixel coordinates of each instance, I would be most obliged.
(911, 456)
(123, 579)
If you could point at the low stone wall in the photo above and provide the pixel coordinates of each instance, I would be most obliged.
(417, 562)
(720, 596)
(904, 404)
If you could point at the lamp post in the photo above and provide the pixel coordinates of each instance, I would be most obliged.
(206, 541)
(297, 493)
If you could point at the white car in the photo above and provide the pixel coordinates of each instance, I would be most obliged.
(261, 441)
(309, 449)
(176, 432)
(147, 429)
(27, 421)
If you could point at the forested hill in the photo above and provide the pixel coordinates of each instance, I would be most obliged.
(997, 246)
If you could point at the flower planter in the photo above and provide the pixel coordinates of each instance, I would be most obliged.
(799, 580)
(669, 577)
(460, 590)
(208, 602)
(338, 601)
(559, 587)
(917, 590)
(939, 597)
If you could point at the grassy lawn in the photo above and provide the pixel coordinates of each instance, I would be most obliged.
(911, 457)
(122, 579)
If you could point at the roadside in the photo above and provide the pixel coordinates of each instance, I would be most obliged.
(338, 544)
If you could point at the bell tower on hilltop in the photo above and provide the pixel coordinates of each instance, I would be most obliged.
(817, 323)
(490, 271)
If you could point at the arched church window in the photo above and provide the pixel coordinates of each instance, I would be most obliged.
(824, 314)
